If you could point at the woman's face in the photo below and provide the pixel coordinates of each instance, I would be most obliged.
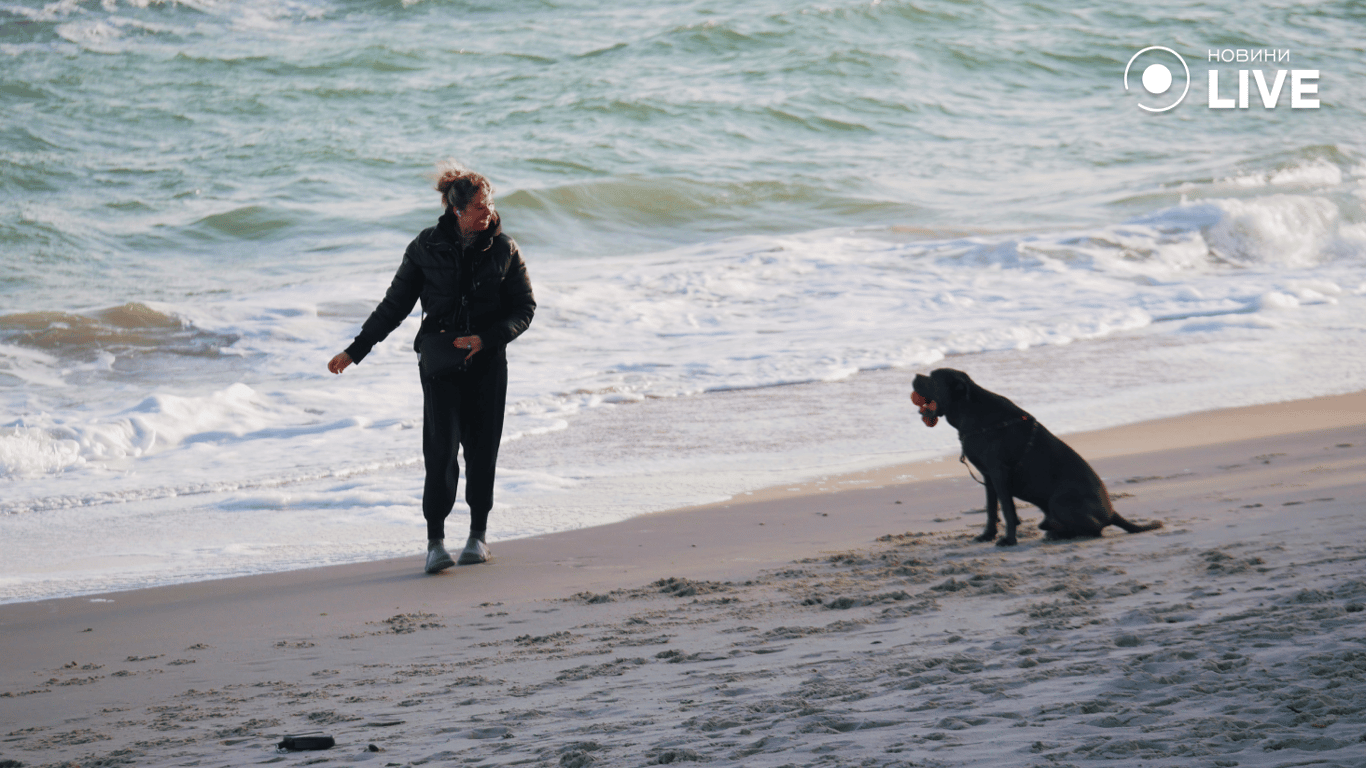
(478, 214)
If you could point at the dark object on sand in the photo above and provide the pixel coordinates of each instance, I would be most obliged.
(1020, 459)
(307, 743)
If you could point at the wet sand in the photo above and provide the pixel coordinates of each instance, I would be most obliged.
(851, 621)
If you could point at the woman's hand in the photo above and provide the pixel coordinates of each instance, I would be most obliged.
(339, 363)
(472, 343)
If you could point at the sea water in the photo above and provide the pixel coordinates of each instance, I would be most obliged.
(747, 224)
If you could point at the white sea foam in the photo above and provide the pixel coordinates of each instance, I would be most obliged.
(1281, 230)
(1317, 172)
(28, 452)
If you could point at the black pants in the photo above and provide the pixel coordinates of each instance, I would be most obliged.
(463, 410)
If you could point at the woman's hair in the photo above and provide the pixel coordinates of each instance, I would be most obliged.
(459, 185)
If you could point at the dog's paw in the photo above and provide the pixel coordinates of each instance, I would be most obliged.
(985, 537)
(1007, 541)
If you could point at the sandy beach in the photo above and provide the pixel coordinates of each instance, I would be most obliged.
(850, 622)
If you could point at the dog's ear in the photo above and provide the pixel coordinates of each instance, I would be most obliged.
(952, 382)
(962, 385)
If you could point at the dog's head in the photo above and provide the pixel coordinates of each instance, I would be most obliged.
(942, 393)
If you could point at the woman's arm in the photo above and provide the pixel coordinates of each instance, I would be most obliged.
(398, 303)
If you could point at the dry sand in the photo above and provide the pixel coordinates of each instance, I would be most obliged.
(858, 627)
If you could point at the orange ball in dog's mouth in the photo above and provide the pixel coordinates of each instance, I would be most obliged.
(927, 409)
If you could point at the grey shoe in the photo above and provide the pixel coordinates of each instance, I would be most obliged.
(475, 552)
(438, 559)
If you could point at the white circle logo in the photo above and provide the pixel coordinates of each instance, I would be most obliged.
(1157, 78)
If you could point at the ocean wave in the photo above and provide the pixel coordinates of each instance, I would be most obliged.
(144, 494)
(1195, 237)
(711, 38)
(1314, 167)
(771, 310)
(248, 222)
(1315, 173)
(132, 328)
(113, 26)
(160, 422)
(26, 452)
(645, 213)
(1285, 230)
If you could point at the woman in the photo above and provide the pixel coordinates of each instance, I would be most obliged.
(475, 295)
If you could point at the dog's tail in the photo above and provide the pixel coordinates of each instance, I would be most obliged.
(1136, 528)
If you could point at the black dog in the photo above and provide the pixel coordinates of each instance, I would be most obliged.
(1020, 459)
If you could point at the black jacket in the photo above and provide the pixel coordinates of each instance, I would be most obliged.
(480, 290)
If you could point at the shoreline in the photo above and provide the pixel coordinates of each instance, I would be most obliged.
(1165, 434)
(1250, 422)
(612, 464)
(723, 584)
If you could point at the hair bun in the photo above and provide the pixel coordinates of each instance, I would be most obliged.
(459, 185)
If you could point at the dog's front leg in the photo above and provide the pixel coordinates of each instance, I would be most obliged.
(989, 532)
(1001, 489)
